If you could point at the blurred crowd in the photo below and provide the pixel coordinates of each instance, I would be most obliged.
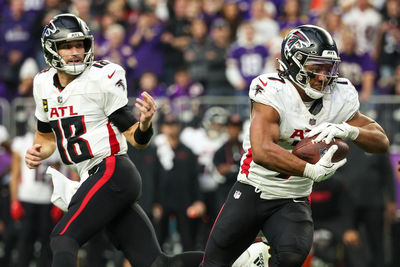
(191, 48)
(180, 50)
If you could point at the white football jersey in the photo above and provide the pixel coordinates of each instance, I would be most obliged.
(78, 114)
(35, 185)
(295, 120)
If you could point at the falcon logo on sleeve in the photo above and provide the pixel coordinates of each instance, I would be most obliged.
(258, 89)
(121, 83)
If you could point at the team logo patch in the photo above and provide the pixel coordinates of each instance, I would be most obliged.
(259, 89)
(296, 39)
(237, 194)
(59, 99)
(45, 106)
(312, 121)
(120, 83)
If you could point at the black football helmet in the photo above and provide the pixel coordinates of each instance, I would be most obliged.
(309, 45)
(65, 28)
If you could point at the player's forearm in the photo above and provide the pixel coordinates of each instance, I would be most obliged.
(280, 160)
(372, 139)
(47, 142)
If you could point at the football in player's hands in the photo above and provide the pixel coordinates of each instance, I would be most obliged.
(311, 151)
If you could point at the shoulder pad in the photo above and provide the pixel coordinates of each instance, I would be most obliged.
(105, 70)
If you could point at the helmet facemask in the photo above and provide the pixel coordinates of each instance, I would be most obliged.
(324, 71)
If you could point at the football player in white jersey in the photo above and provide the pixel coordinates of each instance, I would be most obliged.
(305, 98)
(81, 107)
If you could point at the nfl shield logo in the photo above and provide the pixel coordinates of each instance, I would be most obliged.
(312, 121)
(59, 99)
(237, 194)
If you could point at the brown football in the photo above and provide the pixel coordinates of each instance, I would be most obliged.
(312, 152)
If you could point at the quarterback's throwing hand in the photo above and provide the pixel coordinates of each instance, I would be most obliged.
(147, 107)
(324, 168)
(327, 131)
(33, 156)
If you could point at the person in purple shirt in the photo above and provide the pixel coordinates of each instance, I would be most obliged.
(246, 60)
(146, 42)
(149, 82)
(291, 17)
(360, 69)
(182, 91)
(16, 40)
(116, 50)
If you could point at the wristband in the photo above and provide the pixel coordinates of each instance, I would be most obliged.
(143, 138)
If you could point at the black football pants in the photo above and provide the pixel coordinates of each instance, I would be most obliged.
(286, 223)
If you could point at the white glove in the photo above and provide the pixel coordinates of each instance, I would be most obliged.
(324, 168)
(328, 131)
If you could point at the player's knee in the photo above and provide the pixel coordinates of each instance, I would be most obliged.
(63, 244)
(65, 251)
(291, 259)
(161, 261)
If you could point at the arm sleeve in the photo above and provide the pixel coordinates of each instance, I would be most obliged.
(122, 118)
(43, 127)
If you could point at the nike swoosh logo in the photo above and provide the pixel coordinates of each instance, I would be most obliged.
(110, 76)
(264, 84)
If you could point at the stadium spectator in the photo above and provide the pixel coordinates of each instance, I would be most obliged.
(115, 49)
(216, 52)
(372, 192)
(211, 10)
(106, 21)
(84, 99)
(227, 158)
(265, 27)
(195, 53)
(246, 60)
(335, 234)
(231, 14)
(8, 229)
(204, 139)
(175, 39)
(26, 74)
(183, 91)
(388, 48)
(30, 192)
(291, 17)
(273, 184)
(178, 191)
(146, 42)
(83, 10)
(149, 83)
(356, 66)
(364, 20)
(16, 38)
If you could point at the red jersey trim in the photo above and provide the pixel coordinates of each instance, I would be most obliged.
(114, 144)
(246, 163)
